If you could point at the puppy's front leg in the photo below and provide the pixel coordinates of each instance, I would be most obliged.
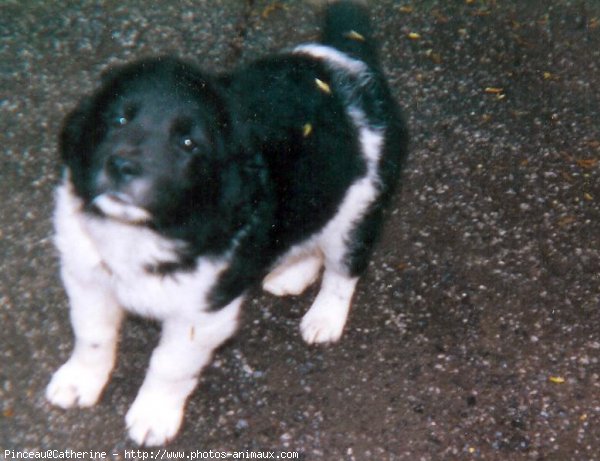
(95, 317)
(186, 346)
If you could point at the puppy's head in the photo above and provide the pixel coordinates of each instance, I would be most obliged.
(149, 144)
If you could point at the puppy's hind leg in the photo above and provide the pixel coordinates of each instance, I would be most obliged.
(325, 320)
(295, 274)
(186, 346)
(346, 245)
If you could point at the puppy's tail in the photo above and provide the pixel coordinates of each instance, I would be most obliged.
(348, 29)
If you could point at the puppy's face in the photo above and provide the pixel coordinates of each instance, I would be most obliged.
(152, 136)
(150, 139)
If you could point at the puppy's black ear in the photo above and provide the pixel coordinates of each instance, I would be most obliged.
(110, 72)
(113, 71)
(72, 136)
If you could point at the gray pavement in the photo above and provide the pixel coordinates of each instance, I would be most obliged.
(475, 333)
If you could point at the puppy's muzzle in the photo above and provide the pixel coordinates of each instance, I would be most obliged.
(122, 169)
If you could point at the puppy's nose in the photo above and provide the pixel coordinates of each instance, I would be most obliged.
(122, 168)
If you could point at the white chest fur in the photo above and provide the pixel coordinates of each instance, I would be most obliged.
(121, 254)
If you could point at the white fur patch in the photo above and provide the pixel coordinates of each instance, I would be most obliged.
(296, 273)
(116, 207)
(104, 268)
(334, 238)
(333, 57)
(118, 254)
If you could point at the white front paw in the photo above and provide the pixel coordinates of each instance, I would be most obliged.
(322, 326)
(75, 384)
(154, 418)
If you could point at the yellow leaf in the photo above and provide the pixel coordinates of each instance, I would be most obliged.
(271, 8)
(481, 12)
(353, 35)
(307, 129)
(557, 379)
(587, 162)
(324, 87)
(593, 143)
(435, 57)
(562, 222)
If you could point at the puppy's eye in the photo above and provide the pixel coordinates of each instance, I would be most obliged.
(188, 144)
(120, 121)
(124, 115)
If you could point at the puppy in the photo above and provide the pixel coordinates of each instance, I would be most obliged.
(181, 190)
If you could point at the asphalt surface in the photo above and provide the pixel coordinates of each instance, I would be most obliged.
(475, 333)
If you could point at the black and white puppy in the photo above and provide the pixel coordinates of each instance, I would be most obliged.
(181, 190)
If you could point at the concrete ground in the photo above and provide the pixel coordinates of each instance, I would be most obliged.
(475, 333)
